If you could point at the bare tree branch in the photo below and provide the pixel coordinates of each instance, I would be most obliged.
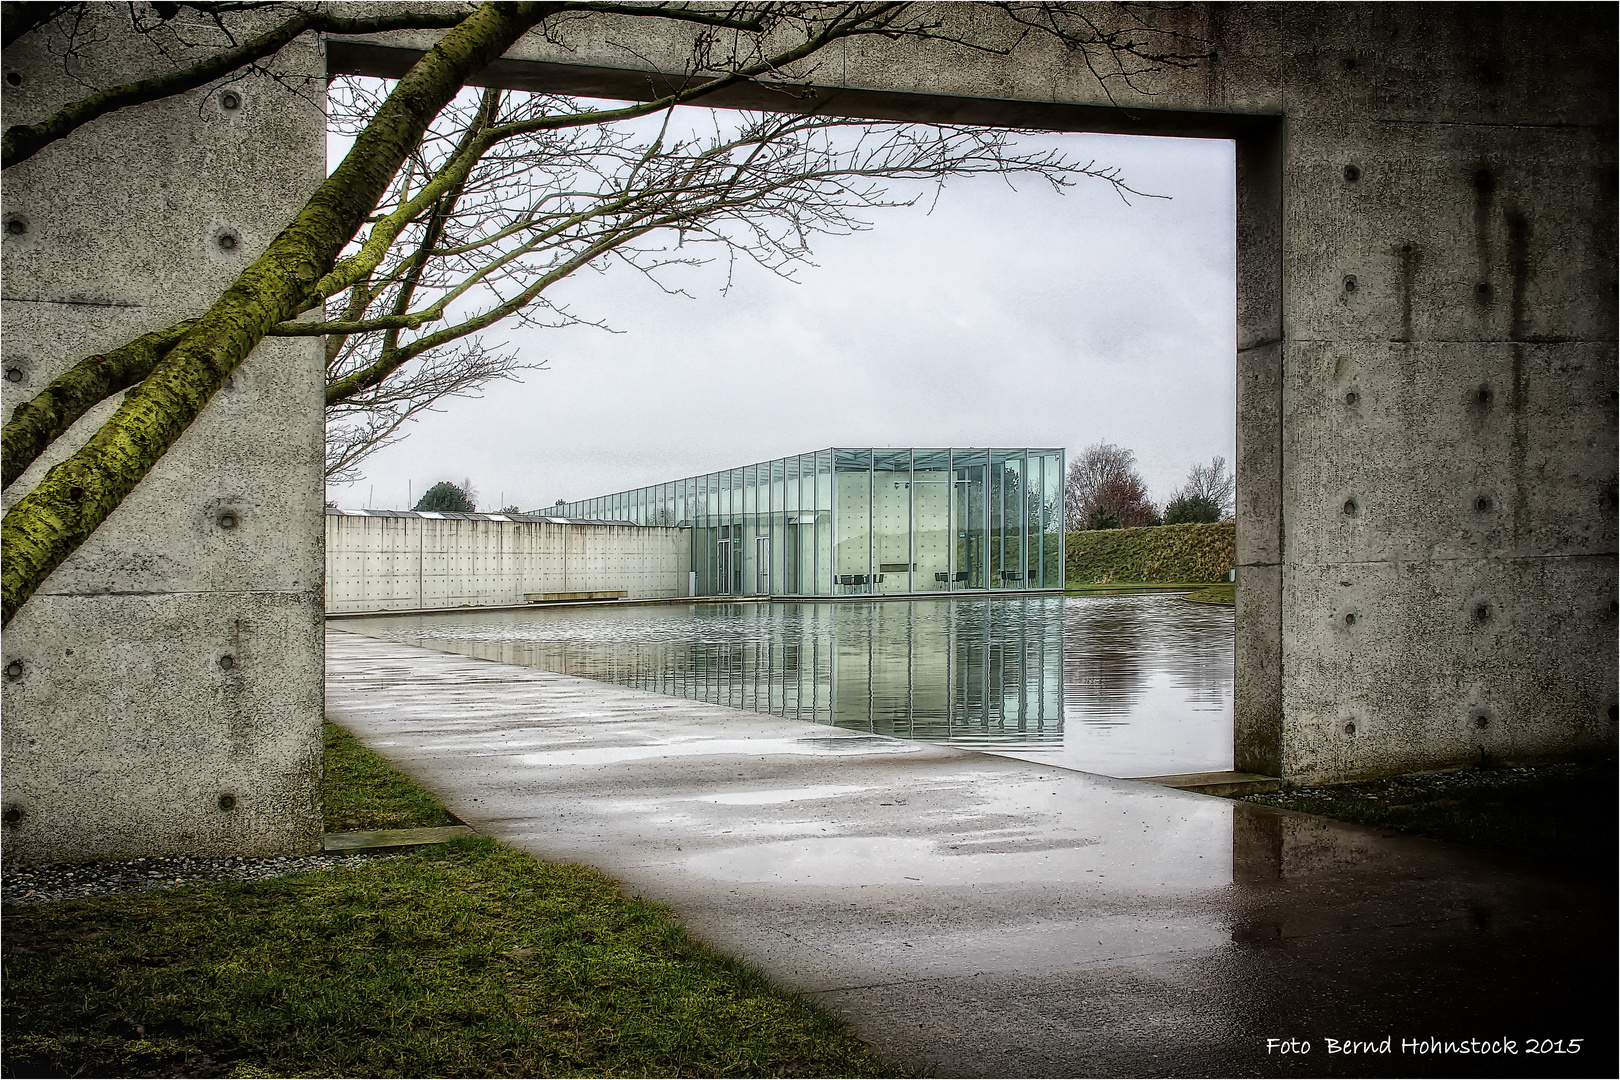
(23, 141)
(46, 417)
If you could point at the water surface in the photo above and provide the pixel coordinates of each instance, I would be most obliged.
(1121, 685)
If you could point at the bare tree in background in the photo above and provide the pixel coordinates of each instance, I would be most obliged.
(1104, 490)
(1122, 503)
(1214, 483)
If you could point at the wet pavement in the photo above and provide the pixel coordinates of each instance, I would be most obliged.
(978, 915)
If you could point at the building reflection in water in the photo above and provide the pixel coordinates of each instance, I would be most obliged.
(1123, 685)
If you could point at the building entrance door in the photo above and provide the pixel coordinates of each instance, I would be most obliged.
(722, 566)
(762, 563)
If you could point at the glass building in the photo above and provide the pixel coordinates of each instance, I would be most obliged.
(863, 521)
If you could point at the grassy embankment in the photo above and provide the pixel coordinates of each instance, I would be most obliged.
(1162, 558)
(467, 959)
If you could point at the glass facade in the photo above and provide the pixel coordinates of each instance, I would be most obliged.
(863, 521)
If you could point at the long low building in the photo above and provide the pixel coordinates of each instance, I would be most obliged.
(863, 521)
(400, 560)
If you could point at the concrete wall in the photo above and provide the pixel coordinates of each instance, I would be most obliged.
(407, 561)
(125, 728)
(1461, 504)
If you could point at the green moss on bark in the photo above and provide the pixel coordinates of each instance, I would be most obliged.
(43, 419)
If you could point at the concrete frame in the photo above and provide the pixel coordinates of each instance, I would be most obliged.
(1425, 371)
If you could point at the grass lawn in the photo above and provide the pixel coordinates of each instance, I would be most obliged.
(1223, 593)
(361, 792)
(466, 959)
(1203, 592)
(1091, 588)
(1161, 553)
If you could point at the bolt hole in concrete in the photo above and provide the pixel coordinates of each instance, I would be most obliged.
(1481, 721)
(13, 815)
(1350, 507)
(227, 802)
(227, 662)
(1351, 397)
(227, 521)
(1349, 283)
(14, 374)
(1120, 685)
(1350, 620)
(1483, 504)
(14, 669)
(230, 101)
(16, 226)
(13, 78)
(1482, 613)
(1349, 729)
(1351, 174)
(227, 242)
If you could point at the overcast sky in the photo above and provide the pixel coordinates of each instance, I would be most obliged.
(1001, 318)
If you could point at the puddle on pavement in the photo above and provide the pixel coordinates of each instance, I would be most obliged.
(1120, 685)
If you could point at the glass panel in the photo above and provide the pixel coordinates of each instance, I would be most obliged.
(968, 510)
(734, 515)
(891, 520)
(1034, 496)
(749, 504)
(703, 538)
(930, 520)
(1054, 573)
(806, 531)
(996, 504)
(824, 536)
(1012, 522)
(852, 521)
(779, 520)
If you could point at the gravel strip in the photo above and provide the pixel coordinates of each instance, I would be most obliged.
(1422, 784)
(66, 881)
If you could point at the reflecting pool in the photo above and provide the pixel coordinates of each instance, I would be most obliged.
(1121, 685)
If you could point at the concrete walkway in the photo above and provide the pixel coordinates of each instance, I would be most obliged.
(982, 916)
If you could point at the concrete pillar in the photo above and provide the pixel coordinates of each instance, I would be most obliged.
(168, 686)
